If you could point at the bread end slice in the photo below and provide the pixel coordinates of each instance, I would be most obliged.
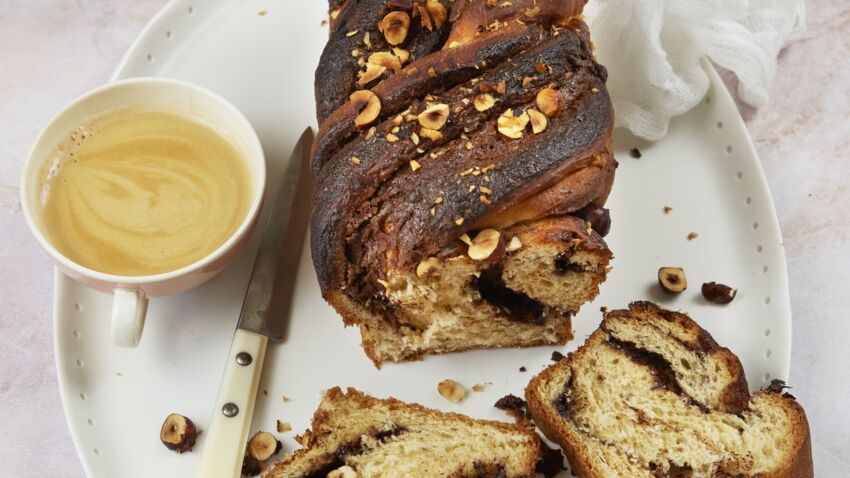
(389, 438)
(651, 394)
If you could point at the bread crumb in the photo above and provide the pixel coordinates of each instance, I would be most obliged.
(522, 369)
(478, 387)
(286, 399)
(262, 13)
(692, 236)
(283, 427)
(667, 209)
(451, 391)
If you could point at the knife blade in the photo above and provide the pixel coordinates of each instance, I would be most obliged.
(269, 294)
(264, 316)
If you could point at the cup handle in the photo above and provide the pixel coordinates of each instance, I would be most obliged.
(129, 308)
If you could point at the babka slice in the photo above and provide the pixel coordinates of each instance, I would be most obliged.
(651, 394)
(354, 435)
(462, 163)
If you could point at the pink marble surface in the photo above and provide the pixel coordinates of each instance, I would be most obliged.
(53, 50)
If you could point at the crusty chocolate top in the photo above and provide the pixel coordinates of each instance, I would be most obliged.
(392, 193)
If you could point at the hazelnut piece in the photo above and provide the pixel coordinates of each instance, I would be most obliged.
(402, 54)
(372, 73)
(451, 391)
(437, 12)
(718, 293)
(343, 472)
(435, 116)
(385, 59)
(429, 266)
(178, 433)
(538, 121)
(484, 102)
(485, 244)
(514, 244)
(394, 26)
(263, 445)
(672, 279)
(431, 134)
(510, 125)
(550, 101)
(367, 105)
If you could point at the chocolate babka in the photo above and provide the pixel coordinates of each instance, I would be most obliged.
(354, 435)
(651, 394)
(463, 158)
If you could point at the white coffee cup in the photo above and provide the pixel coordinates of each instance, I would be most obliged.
(131, 293)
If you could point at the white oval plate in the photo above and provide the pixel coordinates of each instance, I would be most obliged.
(115, 399)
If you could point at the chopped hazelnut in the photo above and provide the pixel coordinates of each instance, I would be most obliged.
(459, 221)
(343, 472)
(178, 433)
(435, 116)
(464, 238)
(485, 244)
(263, 445)
(367, 105)
(395, 25)
(510, 125)
(402, 55)
(451, 391)
(718, 293)
(385, 59)
(692, 236)
(429, 266)
(437, 11)
(514, 244)
(431, 134)
(355, 160)
(484, 102)
(549, 101)
(372, 73)
(414, 164)
(538, 121)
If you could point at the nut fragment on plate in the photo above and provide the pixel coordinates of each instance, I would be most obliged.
(263, 445)
(343, 472)
(451, 391)
(178, 433)
(550, 101)
(718, 293)
(367, 105)
(394, 26)
(538, 121)
(485, 244)
(510, 125)
(672, 279)
(283, 427)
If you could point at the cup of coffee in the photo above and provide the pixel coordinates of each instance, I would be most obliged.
(144, 188)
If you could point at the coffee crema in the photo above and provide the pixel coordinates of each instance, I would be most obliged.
(135, 192)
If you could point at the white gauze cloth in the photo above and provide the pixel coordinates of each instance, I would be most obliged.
(652, 49)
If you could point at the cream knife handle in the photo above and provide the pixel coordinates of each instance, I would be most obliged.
(224, 444)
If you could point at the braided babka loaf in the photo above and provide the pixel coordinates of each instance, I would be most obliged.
(651, 394)
(462, 161)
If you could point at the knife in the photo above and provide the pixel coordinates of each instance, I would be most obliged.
(264, 317)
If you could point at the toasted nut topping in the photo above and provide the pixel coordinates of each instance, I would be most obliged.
(437, 11)
(414, 137)
(485, 190)
(342, 472)
(468, 145)
(500, 88)
(594, 90)
(431, 72)
(465, 239)
(484, 244)
(550, 101)
(435, 116)
(526, 80)
(355, 160)
(672, 279)
(367, 105)
(402, 54)
(514, 244)
(395, 25)
(451, 391)
(263, 445)
(510, 125)
(391, 138)
(484, 102)
(372, 73)
(352, 33)
(538, 121)
(485, 199)
(385, 59)
(371, 132)
(414, 164)
(431, 134)
(540, 68)
(429, 266)
(459, 221)
(367, 40)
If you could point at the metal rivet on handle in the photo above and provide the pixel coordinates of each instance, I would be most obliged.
(244, 358)
(230, 409)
